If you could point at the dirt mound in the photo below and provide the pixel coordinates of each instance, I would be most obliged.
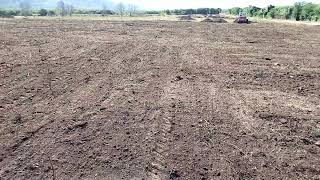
(215, 20)
(186, 18)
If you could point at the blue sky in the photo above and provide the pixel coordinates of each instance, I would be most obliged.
(173, 4)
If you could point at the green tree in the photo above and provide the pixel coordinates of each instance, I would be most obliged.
(308, 11)
(43, 12)
(282, 12)
(190, 11)
(271, 13)
(270, 7)
(297, 9)
(252, 10)
(317, 13)
(203, 11)
(317, 10)
(214, 11)
(290, 12)
(235, 11)
(262, 13)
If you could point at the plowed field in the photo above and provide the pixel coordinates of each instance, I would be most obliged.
(87, 99)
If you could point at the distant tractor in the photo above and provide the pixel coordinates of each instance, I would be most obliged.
(242, 18)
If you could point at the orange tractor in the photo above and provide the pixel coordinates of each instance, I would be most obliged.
(242, 18)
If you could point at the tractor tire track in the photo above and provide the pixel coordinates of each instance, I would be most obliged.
(158, 165)
(162, 126)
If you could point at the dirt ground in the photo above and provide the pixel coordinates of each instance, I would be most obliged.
(159, 100)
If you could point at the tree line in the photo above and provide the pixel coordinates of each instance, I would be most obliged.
(121, 9)
(64, 9)
(25, 9)
(203, 11)
(300, 11)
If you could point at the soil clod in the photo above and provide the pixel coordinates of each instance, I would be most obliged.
(174, 175)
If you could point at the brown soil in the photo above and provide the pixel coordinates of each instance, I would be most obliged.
(158, 100)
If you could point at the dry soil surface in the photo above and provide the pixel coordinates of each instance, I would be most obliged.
(158, 100)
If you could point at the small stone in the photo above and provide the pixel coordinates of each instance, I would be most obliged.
(283, 121)
(17, 119)
(102, 109)
(264, 165)
(179, 78)
(174, 175)
(317, 143)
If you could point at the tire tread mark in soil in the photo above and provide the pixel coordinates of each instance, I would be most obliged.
(159, 152)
